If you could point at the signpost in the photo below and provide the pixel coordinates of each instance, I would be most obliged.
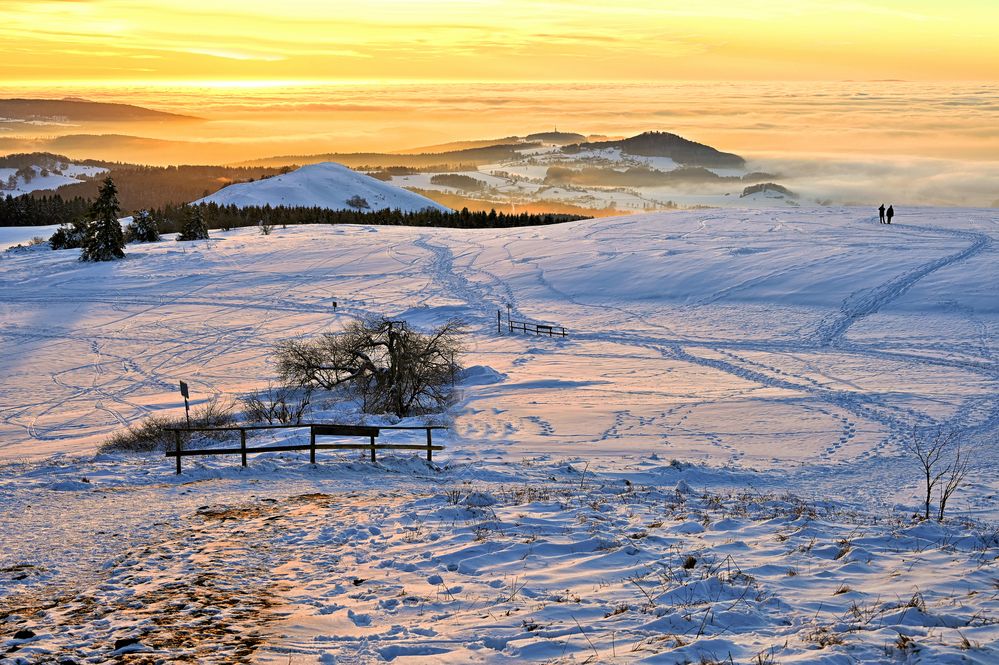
(187, 407)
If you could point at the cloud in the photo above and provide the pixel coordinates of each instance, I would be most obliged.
(872, 179)
(231, 55)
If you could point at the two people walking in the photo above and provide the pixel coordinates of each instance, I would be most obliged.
(883, 214)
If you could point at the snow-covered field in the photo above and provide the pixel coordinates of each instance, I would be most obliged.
(708, 468)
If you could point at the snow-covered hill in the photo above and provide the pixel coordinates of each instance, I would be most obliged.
(326, 185)
(14, 182)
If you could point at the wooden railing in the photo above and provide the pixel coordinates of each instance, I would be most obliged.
(528, 327)
(315, 430)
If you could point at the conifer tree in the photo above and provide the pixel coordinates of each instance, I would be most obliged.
(194, 227)
(143, 228)
(70, 235)
(104, 240)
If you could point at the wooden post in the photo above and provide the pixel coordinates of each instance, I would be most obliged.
(430, 451)
(176, 434)
(242, 444)
(312, 445)
(373, 449)
(499, 322)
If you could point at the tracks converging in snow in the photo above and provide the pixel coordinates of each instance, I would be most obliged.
(868, 301)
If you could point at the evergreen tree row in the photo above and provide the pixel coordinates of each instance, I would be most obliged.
(100, 237)
(174, 218)
(28, 210)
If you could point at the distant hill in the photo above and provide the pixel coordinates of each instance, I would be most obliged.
(124, 148)
(458, 145)
(138, 186)
(472, 156)
(664, 144)
(558, 138)
(77, 110)
(325, 185)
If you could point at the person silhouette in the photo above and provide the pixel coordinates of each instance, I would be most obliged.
(890, 213)
(881, 213)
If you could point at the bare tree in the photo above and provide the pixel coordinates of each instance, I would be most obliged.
(954, 477)
(277, 405)
(392, 367)
(943, 463)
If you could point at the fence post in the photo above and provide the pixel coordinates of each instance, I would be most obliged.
(373, 448)
(176, 434)
(312, 444)
(242, 444)
(499, 322)
(430, 451)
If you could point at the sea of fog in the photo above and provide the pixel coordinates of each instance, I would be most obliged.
(853, 142)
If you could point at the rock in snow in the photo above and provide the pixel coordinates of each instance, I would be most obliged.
(479, 500)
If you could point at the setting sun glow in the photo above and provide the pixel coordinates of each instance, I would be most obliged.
(229, 40)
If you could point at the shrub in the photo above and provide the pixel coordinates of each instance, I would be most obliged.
(282, 405)
(151, 434)
(358, 202)
(944, 464)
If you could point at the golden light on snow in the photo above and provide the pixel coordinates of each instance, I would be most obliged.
(497, 40)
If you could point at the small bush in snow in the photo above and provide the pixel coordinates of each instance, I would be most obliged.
(151, 434)
(943, 465)
(283, 405)
(358, 202)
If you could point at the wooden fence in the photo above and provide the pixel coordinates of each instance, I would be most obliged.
(528, 327)
(315, 430)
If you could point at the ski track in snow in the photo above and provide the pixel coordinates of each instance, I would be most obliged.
(457, 269)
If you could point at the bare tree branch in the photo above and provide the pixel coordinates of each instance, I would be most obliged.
(390, 366)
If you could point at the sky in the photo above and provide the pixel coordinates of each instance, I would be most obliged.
(321, 40)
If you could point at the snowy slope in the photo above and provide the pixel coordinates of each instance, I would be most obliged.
(736, 387)
(22, 235)
(326, 185)
(70, 174)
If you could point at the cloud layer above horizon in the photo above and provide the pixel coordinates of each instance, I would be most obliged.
(66, 40)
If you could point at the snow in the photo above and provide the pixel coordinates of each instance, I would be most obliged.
(326, 185)
(72, 174)
(709, 465)
(11, 236)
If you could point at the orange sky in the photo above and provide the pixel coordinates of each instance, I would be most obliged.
(138, 40)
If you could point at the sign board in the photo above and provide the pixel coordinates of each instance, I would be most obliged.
(183, 390)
